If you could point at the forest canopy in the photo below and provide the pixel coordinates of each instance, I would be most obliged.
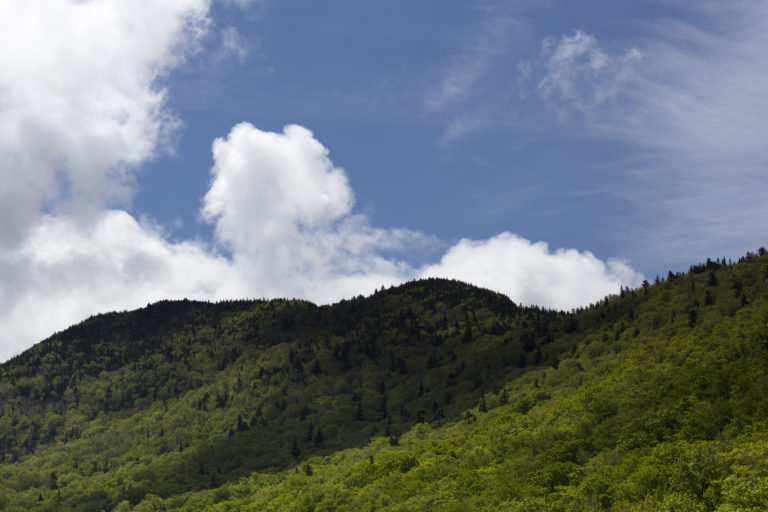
(435, 395)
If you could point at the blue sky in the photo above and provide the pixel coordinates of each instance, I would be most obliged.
(425, 107)
(551, 150)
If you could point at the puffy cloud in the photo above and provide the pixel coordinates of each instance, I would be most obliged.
(285, 213)
(79, 99)
(267, 185)
(82, 109)
(65, 271)
(529, 273)
(281, 210)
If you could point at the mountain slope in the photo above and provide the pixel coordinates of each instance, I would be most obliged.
(670, 413)
(184, 395)
(604, 407)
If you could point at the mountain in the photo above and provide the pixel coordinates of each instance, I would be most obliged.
(434, 395)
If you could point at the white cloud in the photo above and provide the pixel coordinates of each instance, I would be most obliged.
(529, 273)
(268, 184)
(243, 4)
(64, 272)
(702, 93)
(285, 212)
(695, 114)
(82, 109)
(462, 77)
(574, 73)
(79, 101)
(233, 44)
(686, 103)
(280, 208)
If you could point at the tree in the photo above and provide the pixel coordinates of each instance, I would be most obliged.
(692, 318)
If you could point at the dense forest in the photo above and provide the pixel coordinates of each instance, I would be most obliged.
(434, 395)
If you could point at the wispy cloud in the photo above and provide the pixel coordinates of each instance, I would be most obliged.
(252, 9)
(697, 113)
(573, 72)
(464, 74)
(233, 45)
(687, 102)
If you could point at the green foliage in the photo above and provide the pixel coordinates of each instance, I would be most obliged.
(431, 396)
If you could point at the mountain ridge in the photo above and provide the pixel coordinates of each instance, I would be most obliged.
(238, 388)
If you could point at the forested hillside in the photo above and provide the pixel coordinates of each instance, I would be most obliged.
(434, 395)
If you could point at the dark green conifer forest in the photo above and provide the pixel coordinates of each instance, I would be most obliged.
(434, 395)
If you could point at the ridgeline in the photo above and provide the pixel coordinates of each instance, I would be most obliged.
(434, 395)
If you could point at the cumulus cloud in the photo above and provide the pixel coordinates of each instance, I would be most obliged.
(66, 271)
(530, 273)
(267, 185)
(284, 226)
(282, 213)
(285, 212)
(79, 101)
(82, 110)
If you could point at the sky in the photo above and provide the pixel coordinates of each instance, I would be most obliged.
(553, 151)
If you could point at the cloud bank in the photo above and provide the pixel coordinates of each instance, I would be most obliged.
(531, 273)
(284, 226)
(78, 123)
